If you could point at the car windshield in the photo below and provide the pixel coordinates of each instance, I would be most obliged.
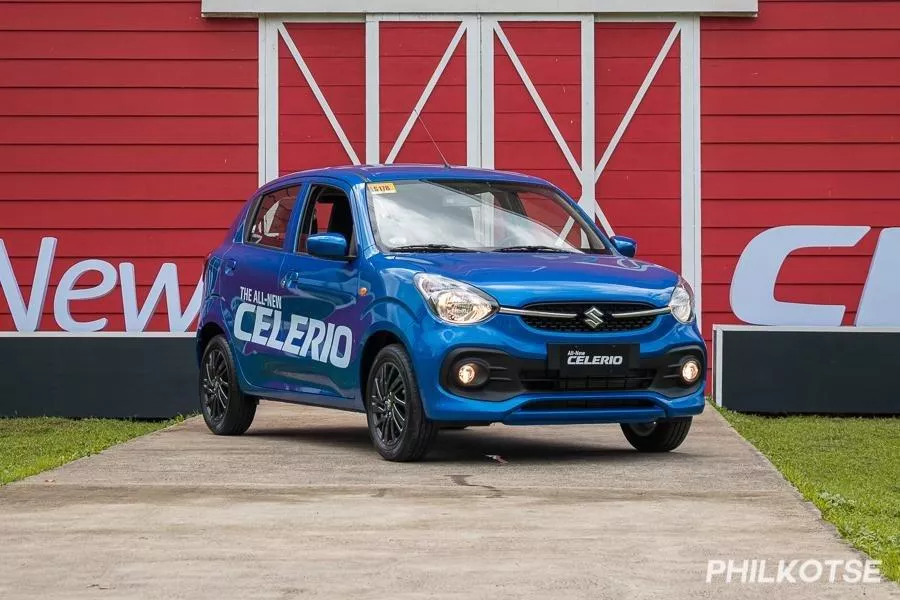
(468, 216)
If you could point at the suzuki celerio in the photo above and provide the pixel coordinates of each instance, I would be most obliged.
(435, 297)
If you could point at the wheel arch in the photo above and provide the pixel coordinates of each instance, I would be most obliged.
(374, 344)
(204, 335)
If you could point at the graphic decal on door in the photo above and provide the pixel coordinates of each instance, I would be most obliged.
(299, 335)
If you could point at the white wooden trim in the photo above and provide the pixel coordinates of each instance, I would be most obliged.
(240, 8)
(588, 116)
(426, 93)
(473, 91)
(268, 100)
(487, 91)
(636, 102)
(373, 91)
(317, 92)
(262, 89)
(536, 98)
(691, 230)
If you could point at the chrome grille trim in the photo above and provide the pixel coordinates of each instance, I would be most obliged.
(536, 313)
(641, 313)
(554, 315)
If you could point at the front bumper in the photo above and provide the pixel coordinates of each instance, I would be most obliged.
(522, 349)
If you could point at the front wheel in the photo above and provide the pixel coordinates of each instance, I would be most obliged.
(226, 410)
(398, 426)
(657, 436)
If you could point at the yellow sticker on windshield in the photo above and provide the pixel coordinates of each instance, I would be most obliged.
(382, 188)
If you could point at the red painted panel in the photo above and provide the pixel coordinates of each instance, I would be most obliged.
(523, 140)
(796, 72)
(111, 73)
(801, 44)
(801, 101)
(137, 215)
(334, 54)
(800, 157)
(127, 130)
(128, 133)
(126, 186)
(131, 102)
(410, 53)
(210, 45)
(130, 158)
(639, 190)
(178, 15)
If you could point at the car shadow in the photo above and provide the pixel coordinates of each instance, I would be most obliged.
(473, 445)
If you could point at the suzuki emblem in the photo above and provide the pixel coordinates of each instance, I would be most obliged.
(593, 317)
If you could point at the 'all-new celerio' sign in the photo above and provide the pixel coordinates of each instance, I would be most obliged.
(26, 316)
(752, 298)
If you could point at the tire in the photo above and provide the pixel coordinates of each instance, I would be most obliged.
(658, 436)
(399, 429)
(226, 410)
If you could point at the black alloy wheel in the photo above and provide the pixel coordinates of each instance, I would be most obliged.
(214, 383)
(226, 409)
(398, 426)
(389, 403)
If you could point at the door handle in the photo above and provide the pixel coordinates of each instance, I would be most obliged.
(230, 266)
(290, 279)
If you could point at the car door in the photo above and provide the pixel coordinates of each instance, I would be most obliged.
(250, 286)
(320, 301)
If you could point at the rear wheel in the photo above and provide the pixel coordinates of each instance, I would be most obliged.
(657, 436)
(226, 410)
(398, 426)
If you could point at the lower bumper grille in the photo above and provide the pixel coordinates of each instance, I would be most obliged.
(550, 381)
(587, 405)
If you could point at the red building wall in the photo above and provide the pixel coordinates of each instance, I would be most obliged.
(128, 132)
(800, 126)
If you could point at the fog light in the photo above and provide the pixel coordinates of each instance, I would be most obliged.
(467, 373)
(690, 371)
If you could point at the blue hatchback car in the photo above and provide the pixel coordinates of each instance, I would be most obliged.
(431, 297)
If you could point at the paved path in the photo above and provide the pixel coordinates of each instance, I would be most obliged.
(302, 506)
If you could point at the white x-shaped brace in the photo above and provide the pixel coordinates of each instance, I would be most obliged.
(587, 201)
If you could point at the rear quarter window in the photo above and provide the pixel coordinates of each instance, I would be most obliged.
(270, 217)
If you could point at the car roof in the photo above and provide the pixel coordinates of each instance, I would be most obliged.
(353, 174)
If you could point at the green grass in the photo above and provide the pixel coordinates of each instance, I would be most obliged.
(32, 445)
(848, 467)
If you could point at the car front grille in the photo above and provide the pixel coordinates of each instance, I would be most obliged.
(579, 325)
(550, 381)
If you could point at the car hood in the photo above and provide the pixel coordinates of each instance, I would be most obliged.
(518, 279)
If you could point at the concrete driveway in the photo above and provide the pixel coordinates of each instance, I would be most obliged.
(302, 506)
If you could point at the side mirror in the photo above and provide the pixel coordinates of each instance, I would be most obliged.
(624, 245)
(327, 245)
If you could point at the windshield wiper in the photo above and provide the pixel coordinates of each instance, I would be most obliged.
(532, 249)
(431, 248)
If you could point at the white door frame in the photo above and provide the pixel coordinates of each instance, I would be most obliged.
(479, 31)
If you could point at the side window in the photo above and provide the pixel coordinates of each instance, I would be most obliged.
(269, 224)
(328, 211)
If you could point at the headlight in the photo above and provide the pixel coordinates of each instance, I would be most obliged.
(682, 302)
(454, 301)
